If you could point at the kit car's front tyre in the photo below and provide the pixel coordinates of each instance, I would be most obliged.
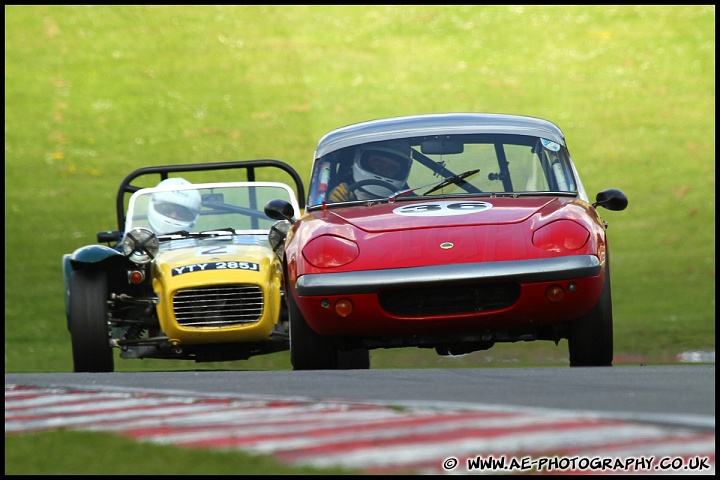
(591, 338)
(89, 329)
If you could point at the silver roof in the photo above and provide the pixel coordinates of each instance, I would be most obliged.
(437, 124)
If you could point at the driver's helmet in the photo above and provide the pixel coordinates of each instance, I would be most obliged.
(380, 163)
(174, 210)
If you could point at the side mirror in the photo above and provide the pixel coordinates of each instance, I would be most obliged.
(611, 199)
(279, 209)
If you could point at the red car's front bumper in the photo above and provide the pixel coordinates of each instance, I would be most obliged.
(456, 298)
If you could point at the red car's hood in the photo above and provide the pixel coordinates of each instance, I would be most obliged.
(403, 215)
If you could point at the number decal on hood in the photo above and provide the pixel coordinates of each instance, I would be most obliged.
(215, 250)
(442, 209)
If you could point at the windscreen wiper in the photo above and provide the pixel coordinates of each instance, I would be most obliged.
(212, 233)
(218, 231)
(179, 233)
(454, 180)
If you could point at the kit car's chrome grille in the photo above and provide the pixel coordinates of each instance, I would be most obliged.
(449, 299)
(218, 306)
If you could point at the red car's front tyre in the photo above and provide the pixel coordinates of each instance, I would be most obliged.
(311, 351)
(591, 338)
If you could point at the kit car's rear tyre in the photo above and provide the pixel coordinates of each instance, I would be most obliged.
(591, 338)
(89, 329)
(311, 351)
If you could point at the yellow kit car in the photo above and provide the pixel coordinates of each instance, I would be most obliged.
(189, 274)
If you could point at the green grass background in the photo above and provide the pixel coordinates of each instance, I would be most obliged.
(94, 92)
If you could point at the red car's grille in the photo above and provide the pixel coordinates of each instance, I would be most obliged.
(218, 306)
(449, 299)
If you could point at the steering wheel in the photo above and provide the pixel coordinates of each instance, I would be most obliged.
(372, 181)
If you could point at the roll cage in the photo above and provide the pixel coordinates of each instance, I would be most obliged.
(249, 167)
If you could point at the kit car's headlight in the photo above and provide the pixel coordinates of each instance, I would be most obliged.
(140, 245)
(277, 235)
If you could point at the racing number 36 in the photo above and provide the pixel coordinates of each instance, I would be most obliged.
(439, 209)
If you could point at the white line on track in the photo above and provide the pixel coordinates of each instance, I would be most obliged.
(371, 437)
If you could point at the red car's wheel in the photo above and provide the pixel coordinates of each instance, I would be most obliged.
(591, 338)
(308, 350)
(89, 322)
(311, 351)
(358, 359)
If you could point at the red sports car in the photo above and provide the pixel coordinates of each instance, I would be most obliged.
(448, 231)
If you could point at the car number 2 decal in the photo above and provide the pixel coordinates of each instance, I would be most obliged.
(442, 209)
(201, 267)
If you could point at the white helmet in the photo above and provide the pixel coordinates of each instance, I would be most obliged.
(175, 210)
(380, 163)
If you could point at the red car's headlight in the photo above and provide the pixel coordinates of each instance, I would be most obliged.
(328, 251)
(561, 236)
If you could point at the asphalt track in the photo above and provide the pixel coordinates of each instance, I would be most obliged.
(558, 420)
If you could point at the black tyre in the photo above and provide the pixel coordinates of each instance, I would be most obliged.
(311, 351)
(357, 359)
(308, 350)
(89, 322)
(591, 338)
